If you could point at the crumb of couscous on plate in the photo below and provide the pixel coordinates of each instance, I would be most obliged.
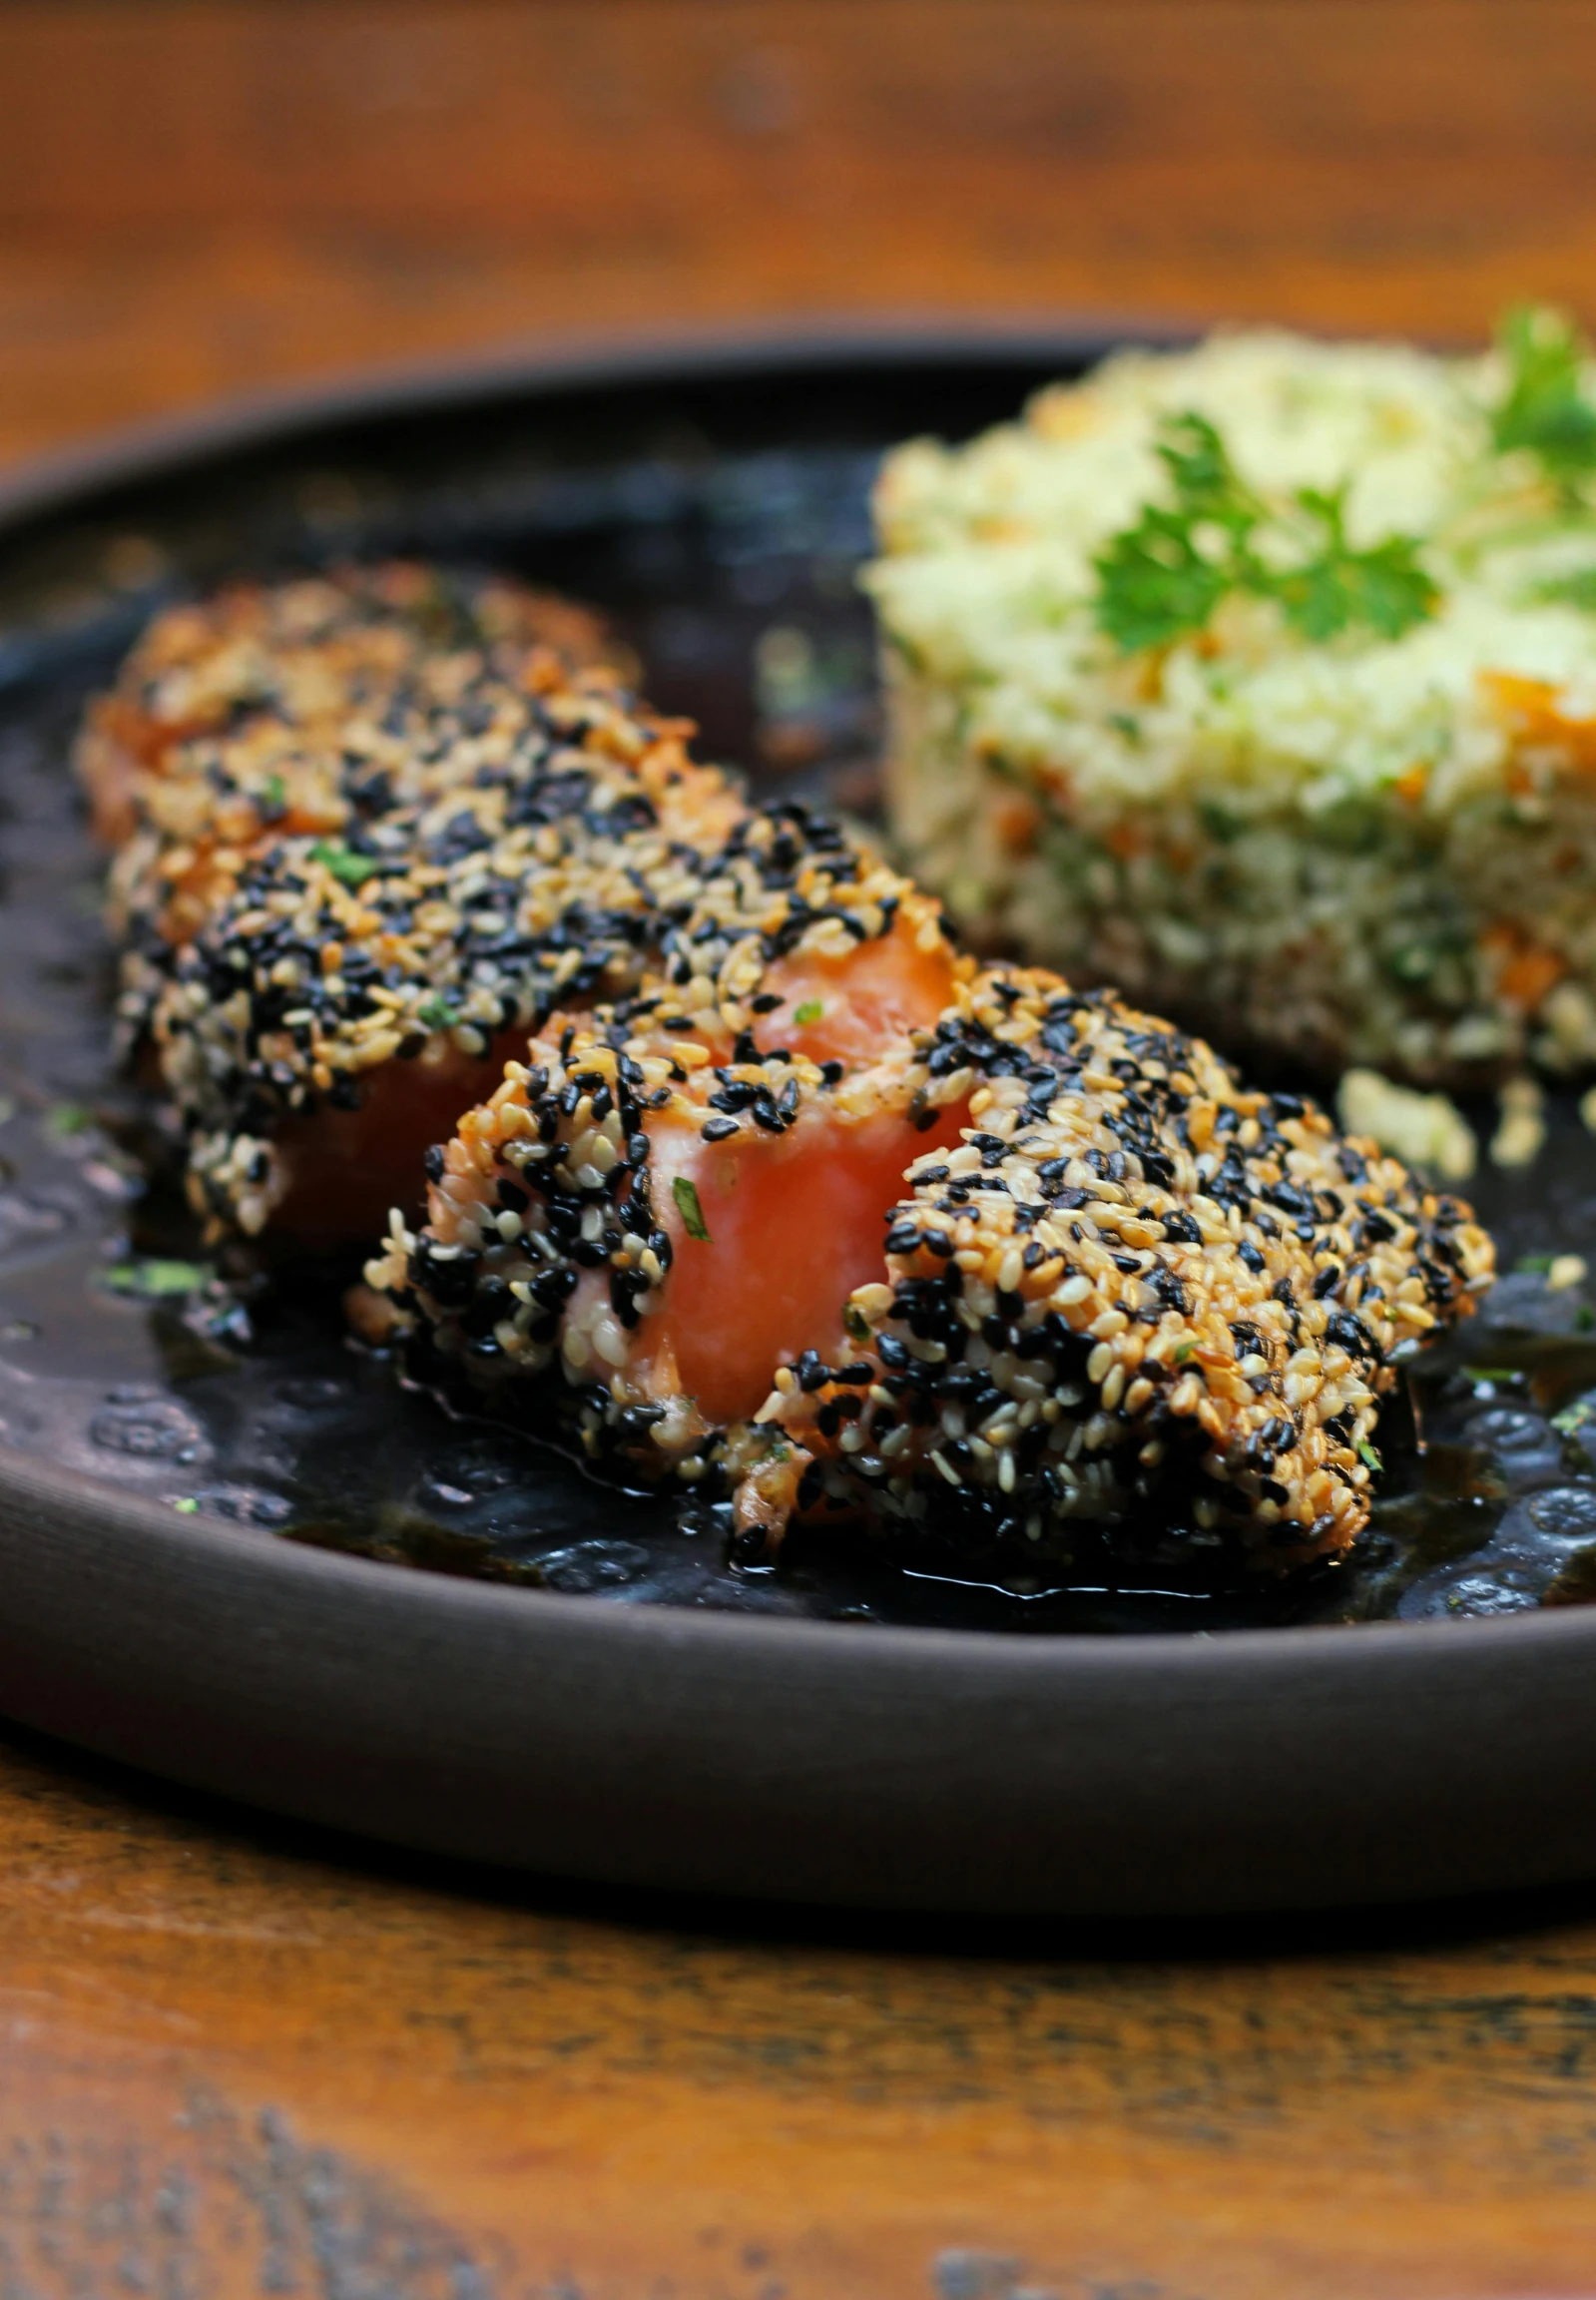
(1423, 1130)
(1521, 1128)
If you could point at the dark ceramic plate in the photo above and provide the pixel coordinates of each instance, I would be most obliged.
(235, 1551)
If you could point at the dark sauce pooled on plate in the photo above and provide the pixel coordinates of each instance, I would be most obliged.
(120, 1356)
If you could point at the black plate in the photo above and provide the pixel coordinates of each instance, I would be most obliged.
(586, 1682)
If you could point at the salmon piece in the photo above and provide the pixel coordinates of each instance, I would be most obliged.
(784, 1230)
(374, 840)
(757, 1179)
(794, 1221)
(339, 1171)
(850, 1008)
(1041, 1274)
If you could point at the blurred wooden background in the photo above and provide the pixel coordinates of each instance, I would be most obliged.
(201, 198)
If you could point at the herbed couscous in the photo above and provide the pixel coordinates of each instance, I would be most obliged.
(1260, 680)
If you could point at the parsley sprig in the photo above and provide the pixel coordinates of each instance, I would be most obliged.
(1544, 407)
(1164, 576)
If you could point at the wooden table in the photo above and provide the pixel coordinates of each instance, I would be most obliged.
(235, 2058)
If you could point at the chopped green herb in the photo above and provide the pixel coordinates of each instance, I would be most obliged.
(1574, 1418)
(692, 1213)
(1369, 1455)
(353, 869)
(66, 1118)
(810, 1011)
(1491, 1372)
(1576, 590)
(1219, 822)
(1544, 408)
(1123, 722)
(186, 1506)
(156, 1279)
(1186, 1350)
(1584, 1319)
(1534, 1264)
(857, 1325)
(437, 1014)
(274, 796)
(1165, 575)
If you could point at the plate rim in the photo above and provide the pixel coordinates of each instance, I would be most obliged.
(154, 447)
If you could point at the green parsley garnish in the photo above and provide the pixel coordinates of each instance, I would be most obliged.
(1369, 1455)
(1544, 408)
(855, 1322)
(353, 869)
(65, 1118)
(1533, 1265)
(810, 1011)
(437, 1014)
(1574, 1418)
(274, 796)
(156, 1279)
(186, 1506)
(1167, 574)
(692, 1213)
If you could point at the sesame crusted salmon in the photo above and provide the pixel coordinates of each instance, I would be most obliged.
(763, 1189)
(375, 845)
(1031, 1266)
(286, 707)
(372, 826)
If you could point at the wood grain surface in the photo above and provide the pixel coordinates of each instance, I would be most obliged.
(199, 199)
(237, 2060)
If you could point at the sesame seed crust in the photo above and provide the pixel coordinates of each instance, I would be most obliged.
(509, 836)
(1136, 1292)
(296, 707)
(372, 830)
(1137, 1289)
